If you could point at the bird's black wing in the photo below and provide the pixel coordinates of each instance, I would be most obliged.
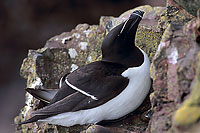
(46, 95)
(100, 79)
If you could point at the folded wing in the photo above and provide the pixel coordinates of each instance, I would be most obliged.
(104, 81)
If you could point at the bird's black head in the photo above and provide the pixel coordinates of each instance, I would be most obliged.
(119, 45)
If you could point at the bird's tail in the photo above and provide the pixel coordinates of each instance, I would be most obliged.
(32, 119)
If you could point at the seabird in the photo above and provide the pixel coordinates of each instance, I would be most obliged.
(103, 90)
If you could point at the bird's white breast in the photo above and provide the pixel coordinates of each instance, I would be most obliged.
(127, 101)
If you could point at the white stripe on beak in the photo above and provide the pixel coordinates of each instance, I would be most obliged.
(137, 14)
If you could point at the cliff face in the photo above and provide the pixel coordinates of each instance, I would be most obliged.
(174, 72)
(170, 37)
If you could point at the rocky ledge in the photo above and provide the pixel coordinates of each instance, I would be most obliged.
(169, 35)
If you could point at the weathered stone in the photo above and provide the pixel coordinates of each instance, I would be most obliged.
(187, 117)
(173, 70)
(190, 5)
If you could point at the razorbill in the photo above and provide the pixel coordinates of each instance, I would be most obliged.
(103, 90)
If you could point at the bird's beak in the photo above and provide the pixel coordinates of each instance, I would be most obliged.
(132, 22)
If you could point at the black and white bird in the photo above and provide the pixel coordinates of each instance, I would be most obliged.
(103, 90)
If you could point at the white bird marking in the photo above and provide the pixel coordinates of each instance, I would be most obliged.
(124, 26)
(60, 83)
(137, 14)
(79, 90)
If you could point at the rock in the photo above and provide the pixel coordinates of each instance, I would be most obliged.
(101, 129)
(173, 70)
(187, 117)
(189, 5)
(97, 129)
